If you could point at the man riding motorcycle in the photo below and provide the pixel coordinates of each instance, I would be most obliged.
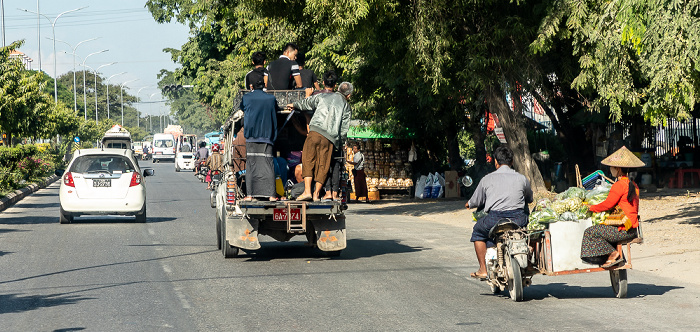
(215, 163)
(504, 193)
(200, 156)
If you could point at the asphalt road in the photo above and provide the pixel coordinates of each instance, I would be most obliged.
(398, 273)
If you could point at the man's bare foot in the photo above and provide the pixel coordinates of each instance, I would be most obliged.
(248, 198)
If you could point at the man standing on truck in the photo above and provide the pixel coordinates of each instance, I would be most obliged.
(308, 77)
(260, 131)
(328, 129)
(283, 73)
(259, 72)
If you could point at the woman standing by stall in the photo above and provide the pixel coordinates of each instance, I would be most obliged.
(598, 240)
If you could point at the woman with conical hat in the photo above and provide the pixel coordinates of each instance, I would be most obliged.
(598, 246)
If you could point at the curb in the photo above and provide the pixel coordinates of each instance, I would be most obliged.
(19, 194)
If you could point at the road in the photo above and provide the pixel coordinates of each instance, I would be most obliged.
(398, 273)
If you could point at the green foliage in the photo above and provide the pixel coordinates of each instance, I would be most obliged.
(634, 56)
(194, 117)
(25, 164)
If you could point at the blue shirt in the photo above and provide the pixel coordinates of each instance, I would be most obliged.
(260, 117)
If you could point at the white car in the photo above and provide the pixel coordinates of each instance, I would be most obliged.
(103, 182)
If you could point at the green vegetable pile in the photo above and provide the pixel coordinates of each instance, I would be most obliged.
(569, 206)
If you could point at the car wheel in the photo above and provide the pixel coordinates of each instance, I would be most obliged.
(226, 249)
(64, 217)
(141, 216)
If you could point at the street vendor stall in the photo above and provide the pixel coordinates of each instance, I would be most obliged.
(387, 164)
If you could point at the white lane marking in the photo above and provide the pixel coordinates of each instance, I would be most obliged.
(183, 300)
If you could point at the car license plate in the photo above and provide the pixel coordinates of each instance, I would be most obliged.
(102, 182)
(281, 215)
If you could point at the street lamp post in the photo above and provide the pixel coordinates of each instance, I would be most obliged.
(150, 110)
(95, 72)
(53, 30)
(75, 95)
(84, 87)
(138, 114)
(122, 73)
(121, 95)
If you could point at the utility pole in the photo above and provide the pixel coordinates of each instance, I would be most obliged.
(2, 12)
(38, 31)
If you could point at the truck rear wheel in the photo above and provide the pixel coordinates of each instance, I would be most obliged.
(333, 253)
(226, 248)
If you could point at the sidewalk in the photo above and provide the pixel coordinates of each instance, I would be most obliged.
(19, 194)
(670, 225)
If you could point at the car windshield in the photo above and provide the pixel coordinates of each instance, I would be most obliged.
(164, 143)
(101, 163)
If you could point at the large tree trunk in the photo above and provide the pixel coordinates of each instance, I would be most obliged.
(453, 147)
(513, 124)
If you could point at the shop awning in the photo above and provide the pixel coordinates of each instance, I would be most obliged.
(366, 132)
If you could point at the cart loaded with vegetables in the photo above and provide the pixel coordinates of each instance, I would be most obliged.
(551, 242)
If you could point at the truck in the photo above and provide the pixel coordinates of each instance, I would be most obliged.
(240, 223)
(116, 137)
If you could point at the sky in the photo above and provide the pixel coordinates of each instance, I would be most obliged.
(125, 28)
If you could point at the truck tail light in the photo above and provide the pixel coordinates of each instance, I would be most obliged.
(230, 192)
(135, 179)
(68, 179)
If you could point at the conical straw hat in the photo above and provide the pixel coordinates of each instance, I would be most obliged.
(623, 158)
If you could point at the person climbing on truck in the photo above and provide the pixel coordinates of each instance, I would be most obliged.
(283, 73)
(259, 71)
(260, 131)
(328, 128)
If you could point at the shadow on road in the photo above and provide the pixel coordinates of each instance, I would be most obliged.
(566, 291)
(14, 303)
(3, 253)
(356, 248)
(415, 208)
(30, 220)
(114, 220)
(9, 230)
(70, 329)
(689, 216)
(36, 205)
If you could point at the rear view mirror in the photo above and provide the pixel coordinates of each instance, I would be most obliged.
(59, 172)
(467, 181)
(149, 172)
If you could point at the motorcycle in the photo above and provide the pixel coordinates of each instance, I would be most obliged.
(201, 171)
(507, 263)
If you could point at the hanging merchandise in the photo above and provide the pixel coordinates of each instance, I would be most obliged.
(412, 155)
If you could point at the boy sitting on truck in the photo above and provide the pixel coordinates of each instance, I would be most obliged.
(259, 72)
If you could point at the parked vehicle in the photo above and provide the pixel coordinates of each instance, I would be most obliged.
(103, 182)
(163, 147)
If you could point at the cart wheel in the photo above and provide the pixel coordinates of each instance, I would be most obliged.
(618, 278)
(515, 285)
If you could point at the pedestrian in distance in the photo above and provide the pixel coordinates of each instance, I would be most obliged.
(503, 193)
(283, 73)
(328, 128)
(358, 173)
(259, 71)
(260, 131)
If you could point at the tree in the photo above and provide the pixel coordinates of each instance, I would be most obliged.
(194, 117)
(25, 108)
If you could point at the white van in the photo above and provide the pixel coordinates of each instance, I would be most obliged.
(163, 147)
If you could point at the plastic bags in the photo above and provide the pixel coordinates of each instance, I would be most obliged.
(420, 186)
(575, 192)
(428, 189)
(438, 186)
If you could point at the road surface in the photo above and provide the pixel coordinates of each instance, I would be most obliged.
(398, 273)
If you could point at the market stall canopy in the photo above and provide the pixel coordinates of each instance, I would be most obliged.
(369, 133)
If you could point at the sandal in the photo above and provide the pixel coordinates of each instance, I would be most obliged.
(304, 198)
(478, 276)
(611, 263)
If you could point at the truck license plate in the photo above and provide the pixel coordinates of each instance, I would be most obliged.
(102, 182)
(281, 215)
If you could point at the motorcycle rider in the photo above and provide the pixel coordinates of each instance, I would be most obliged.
(201, 156)
(503, 193)
(215, 163)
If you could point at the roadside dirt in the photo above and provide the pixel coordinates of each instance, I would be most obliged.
(670, 227)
